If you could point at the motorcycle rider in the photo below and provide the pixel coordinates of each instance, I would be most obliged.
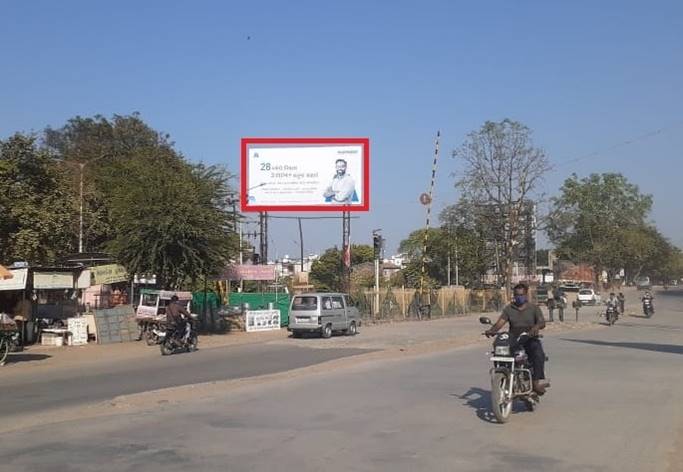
(524, 316)
(175, 322)
(648, 296)
(613, 302)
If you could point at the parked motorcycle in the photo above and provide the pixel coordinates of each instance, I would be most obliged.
(511, 374)
(648, 307)
(153, 332)
(172, 342)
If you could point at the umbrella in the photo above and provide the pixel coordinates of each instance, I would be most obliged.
(5, 274)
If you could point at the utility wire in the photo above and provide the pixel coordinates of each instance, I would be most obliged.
(601, 153)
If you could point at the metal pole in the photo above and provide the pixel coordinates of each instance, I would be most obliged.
(264, 256)
(457, 269)
(429, 211)
(301, 244)
(377, 287)
(346, 248)
(80, 222)
(448, 275)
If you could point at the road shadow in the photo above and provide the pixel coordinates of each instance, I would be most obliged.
(25, 357)
(480, 401)
(638, 316)
(665, 348)
(670, 293)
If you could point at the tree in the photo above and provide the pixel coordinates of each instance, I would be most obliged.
(145, 203)
(600, 220)
(326, 271)
(93, 146)
(36, 208)
(502, 172)
(448, 245)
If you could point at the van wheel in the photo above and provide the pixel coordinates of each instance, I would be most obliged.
(327, 331)
(352, 331)
(296, 334)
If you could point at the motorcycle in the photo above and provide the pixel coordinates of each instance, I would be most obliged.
(511, 374)
(611, 314)
(648, 308)
(172, 342)
(152, 331)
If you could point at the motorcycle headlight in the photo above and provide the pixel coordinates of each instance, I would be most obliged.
(502, 350)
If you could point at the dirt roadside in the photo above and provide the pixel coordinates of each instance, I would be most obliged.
(400, 334)
(391, 343)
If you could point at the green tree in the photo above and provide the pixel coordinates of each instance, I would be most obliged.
(37, 211)
(600, 220)
(447, 247)
(145, 203)
(327, 271)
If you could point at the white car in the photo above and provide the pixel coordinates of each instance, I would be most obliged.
(588, 296)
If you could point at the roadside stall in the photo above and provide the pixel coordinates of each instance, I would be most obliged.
(15, 303)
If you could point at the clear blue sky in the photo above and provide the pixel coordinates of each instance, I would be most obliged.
(584, 75)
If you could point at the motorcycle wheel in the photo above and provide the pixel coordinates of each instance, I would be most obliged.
(500, 403)
(4, 350)
(166, 350)
(150, 338)
(192, 343)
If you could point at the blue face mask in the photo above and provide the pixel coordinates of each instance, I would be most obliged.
(520, 300)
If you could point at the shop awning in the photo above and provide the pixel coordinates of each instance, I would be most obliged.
(4, 273)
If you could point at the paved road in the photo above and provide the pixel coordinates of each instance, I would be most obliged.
(60, 388)
(615, 405)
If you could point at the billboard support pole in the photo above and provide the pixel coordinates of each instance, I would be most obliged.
(346, 254)
(263, 236)
(301, 244)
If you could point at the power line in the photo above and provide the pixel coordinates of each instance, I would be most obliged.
(627, 142)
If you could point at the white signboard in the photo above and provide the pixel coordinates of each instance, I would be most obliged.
(263, 320)
(53, 280)
(314, 175)
(17, 282)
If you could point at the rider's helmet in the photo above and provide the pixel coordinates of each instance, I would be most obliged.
(174, 298)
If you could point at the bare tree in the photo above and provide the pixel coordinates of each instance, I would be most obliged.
(503, 171)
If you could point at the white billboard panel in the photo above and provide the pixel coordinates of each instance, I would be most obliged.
(304, 175)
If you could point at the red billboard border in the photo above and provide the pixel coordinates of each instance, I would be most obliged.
(245, 142)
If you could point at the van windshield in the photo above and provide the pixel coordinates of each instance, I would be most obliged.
(305, 303)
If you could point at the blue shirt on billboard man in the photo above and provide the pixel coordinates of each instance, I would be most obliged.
(342, 189)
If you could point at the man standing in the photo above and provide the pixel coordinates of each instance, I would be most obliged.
(525, 317)
(342, 188)
(622, 302)
(577, 306)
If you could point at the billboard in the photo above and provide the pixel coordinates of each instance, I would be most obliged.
(249, 272)
(305, 174)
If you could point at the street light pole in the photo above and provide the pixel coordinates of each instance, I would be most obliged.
(80, 218)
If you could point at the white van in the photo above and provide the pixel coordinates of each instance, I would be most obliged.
(323, 313)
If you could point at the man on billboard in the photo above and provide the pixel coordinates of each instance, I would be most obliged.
(342, 189)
